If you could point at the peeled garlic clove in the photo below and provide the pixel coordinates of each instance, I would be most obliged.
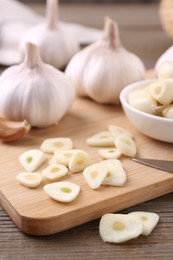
(126, 145)
(95, 175)
(32, 159)
(54, 171)
(52, 38)
(148, 219)
(62, 157)
(56, 144)
(165, 70)
(101, 139)
(116, 175)
(11, 130)
(118, 228)
(79, 161)
(35, 91)
(162, 91)
(142, 100)
(117, 130)
(102, 69)
(62, 191)
(29, 179)
(110, 153)
(168, 112)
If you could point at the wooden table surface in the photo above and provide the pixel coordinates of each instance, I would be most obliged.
(84, 242)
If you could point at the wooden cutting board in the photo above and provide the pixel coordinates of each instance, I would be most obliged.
(35, 213)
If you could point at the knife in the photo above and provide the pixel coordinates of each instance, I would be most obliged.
(163, 165)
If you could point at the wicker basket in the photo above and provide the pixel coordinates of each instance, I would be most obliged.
(166, 15)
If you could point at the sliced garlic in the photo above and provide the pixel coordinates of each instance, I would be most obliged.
(110, 153)
(62, 191)
(117, 130)
(95, 174)
(118, 228)
(54, 171)
(116, 175)
(62, 157)
(79, 161)
(148, 219)
(56, 144)
(101, 139)
(126, 145)
(29, 179)
(32, 159)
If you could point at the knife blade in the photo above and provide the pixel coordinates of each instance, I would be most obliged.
(163, 165)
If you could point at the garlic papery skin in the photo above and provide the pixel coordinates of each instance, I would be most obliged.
(35, 91)
(57, 45)
(102, 69)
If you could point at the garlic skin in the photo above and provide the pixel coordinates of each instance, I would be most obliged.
(35, 91)
(102, 69)
(57, 45)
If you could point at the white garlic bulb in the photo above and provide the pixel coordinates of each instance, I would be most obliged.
(166, 56)
(165, 70)
(56, 45)
(102, 69)
(35, 91)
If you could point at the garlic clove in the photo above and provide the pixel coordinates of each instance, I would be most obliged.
(110, 153)
(117, 130)
(118, 228)
(62, 191)
(32, 159)
(79, 161)
(29, 179)
(126, 145)
(101, 139)
(168, 112)
(54, 171)
(62, 157)
(56, 144)
(148, 219)
(11, 130)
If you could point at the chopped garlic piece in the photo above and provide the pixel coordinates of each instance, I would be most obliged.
(56, 144)
(62, 191)
(54, 171)
(62, 157)
(32, 159)
(95, 174)
(118, 228)
(126, 145)
(29, 179)
(110, 153)
(148, 219)
(101, 139)
(116, 175)
(117, 130)
(79, 161)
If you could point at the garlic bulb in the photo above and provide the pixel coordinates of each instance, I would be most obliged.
(56, 45)
(166, 56)
(165, 70)
(102, 69)
(35, 91)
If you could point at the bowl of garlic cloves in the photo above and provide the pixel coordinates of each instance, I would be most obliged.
(148, 105)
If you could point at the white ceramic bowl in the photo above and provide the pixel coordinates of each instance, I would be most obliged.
(153, 126)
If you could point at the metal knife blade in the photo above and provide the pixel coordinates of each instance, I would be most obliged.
(163, 165)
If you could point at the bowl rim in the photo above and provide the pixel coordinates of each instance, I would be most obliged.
(133, 86)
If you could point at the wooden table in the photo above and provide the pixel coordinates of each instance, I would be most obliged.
(84, 242)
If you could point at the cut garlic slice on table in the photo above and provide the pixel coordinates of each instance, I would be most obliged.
(117, 130)
(101, 139)
(110, 153)
(126, 145)
(116, 175)
(95, 174)
(118, 228)
(54, 171)
(62, 157)
(56, 144)
(79, 161)
(62, 191)
(32, 159)
(148, 219)
(29, 179)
